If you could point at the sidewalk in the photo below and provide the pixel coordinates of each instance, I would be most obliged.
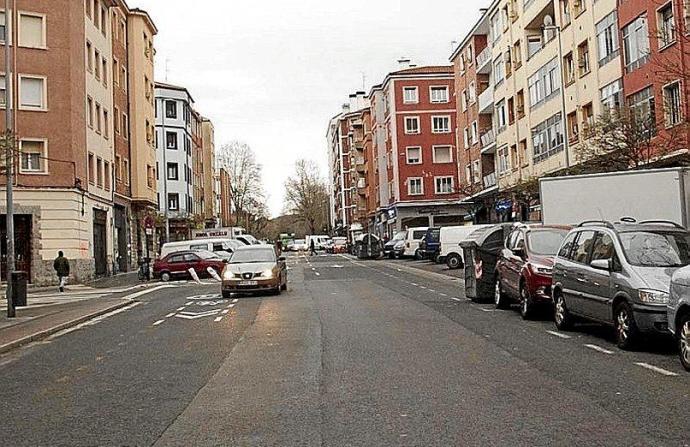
(119, 280)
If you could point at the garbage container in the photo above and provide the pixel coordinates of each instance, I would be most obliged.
(367, 246)
(480, 252)
(19, 283)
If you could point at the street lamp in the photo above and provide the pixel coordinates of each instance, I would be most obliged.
(9, 155)
(550, 26)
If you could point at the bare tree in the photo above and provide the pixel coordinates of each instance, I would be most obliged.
(248, 201)
(306, 196)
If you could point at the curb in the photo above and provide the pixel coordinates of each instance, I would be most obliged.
(62, 326)
(422, 272)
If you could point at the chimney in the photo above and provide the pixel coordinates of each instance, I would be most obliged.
(353, 102)
(346, 108)
(361, 100)
(404, 63)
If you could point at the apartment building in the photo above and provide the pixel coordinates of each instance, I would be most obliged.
(224, 198)
(174, 107)
(210, 190)
(199, 203)
(654, 38)
(543, 70)
(419, 116)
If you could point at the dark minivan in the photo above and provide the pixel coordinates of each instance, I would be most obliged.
(430, 246)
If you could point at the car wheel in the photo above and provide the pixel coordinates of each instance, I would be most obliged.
(500, 299)
(626, 329)
(418, 255)
(226, 295)
(165, 276)
(684, 341)
(526, 304)
(561, 316)
(391, 255)
(453, 261)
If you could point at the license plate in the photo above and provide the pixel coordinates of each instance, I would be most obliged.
(248, 283)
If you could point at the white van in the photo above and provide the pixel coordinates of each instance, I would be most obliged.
(412, 240)
(215, 244)
(450, 239)
(320, 241)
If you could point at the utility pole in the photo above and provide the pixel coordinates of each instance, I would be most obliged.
(9, 155)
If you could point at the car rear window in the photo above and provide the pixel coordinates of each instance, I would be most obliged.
(418, 234)
(546, 242)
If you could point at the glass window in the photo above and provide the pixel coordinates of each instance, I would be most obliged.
(411, 124)
(442, 154)
(176, 259)
(414, 155)
(545, 83)
(636, 43)
(546, 242)
(242, 256)
(414, 186)
(643, 109)
(31, 30)
(171, 140)
(603, 247)
(583, 246)
(439, 94)
(567, 246)
(171, 109)
(607, 38)
(444, 185)
(410, 95)
(656, 249)
(31, 92)
(672, 107)
(440, 124)
(612, 95)
(547, 138)
(32, 156)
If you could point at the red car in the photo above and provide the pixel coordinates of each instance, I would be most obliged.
(524, 267)
(177, 264)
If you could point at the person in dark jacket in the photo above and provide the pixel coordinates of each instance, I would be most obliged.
(61, 266)
(312, 248)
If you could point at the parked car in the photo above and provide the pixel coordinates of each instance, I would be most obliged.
(254, 268)
(176, 265)
(247, 239)
(413, 237)
(290, 246)
(389, 248)
(339, 245)
(300, 245)
(523, 271)
(619, 274)
(430, 245)
(679, 313)
(450, 238)
(213, 244)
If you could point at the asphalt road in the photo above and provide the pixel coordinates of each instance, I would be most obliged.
(356, 353)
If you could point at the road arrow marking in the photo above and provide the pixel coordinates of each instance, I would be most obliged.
(194, 316)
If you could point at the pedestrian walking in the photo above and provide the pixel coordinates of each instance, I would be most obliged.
(312, 248)
(61, 266)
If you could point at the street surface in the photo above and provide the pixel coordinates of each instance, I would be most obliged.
(356, 353)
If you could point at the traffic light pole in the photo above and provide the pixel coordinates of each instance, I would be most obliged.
(9, 159)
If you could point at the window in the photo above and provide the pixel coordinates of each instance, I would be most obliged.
(547, 138)
(511, 110)
(89, 56)
(33, 154)
(533, 45)
(151, 176)
(612, 95)
(520, 104)
(444, 185)
(98, 118)
(92, 175)
(411, 124)
(472, 92)
(32, 92)
(3, 91)
(579, 7)
(410, 95)
(104, 70)
(573, 127)
(99, 172)
(466, 134)
(442, 154)
(106, 175)
(32, 30)
(603, 248)
(642, 107)
(97, 64)
(475, 132)
(569, 68)
(171, 109)
(116, 122)
(125, 126)
(415, 186)
(524, 154)
(414, 155)
(104, 15)
(514, 157)
(517, 54)
(476, 171)
(118, 169)
(439, 94)
(607, 38)
(106, 124)
(666, 25)
(499, 70)
(171, 140)
(545, 83)
(123, 79)
(587, 118)
(501, 116)
(566, 13)
(583, 246)
(440, 124)
(125, 167)
(567, 246)
(636, 43)
(174, 202)
(672, 107)
(116, 72)
(503, 160)
(583, 58)
(468, 173)
(463, 100)
(173, 173)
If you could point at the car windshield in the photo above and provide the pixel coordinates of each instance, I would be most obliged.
(204, 254)
(546, 242)
(656, 249)
(251, 256)
(400, 236)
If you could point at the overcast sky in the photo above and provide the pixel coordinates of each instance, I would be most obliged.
(272, 73)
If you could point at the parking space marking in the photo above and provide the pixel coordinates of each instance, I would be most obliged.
(170, 315)
(218, 319)
(180, 308)
(225, 311)
(483, 309)
(656, 369)
(317, 273)
(235, 300)
(230, 306)
(599, 349)
(158, 322)
(558, 334)
(455, 299)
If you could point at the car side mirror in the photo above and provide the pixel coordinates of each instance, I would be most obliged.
(519, 252)
(602, 264)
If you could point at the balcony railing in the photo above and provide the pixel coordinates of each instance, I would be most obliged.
(361, 183)
(483, 58)
(486, 100)
(489, 180)
(487, 138)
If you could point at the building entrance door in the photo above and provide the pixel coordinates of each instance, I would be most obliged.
(22, 244)
(99, 242)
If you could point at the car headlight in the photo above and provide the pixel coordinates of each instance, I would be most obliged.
(228, 275)
(655, 297)
(541, 269)
(267, 273)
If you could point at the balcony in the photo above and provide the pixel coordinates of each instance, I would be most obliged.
(361, 183)
(360, 166)
(487, 138)
(486, 100)
(484, 61)
(489, 180)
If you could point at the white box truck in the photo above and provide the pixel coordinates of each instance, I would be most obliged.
(652, 194)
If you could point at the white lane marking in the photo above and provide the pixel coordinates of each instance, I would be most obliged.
(170, 315)
(413, 283)
(158, 322)
(455, 299)
(486, 310)
(599, 349)
(225, 311)
(180, 308)
(188, 304)
(93, 321)
(662, 371)
(317, 273)
(230, 306)
(432, 291)
(442, 294)
(235, 300)
(422, 287)
(218, 319)
(313, 268)
(399, 270)
(558, 334)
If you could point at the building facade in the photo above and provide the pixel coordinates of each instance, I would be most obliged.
(210, 191)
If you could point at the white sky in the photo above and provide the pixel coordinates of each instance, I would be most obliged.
(273, 72)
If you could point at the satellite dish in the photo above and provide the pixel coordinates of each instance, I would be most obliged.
(548, 21)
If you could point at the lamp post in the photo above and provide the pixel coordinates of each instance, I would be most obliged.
(549, 26)
(9, 158)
